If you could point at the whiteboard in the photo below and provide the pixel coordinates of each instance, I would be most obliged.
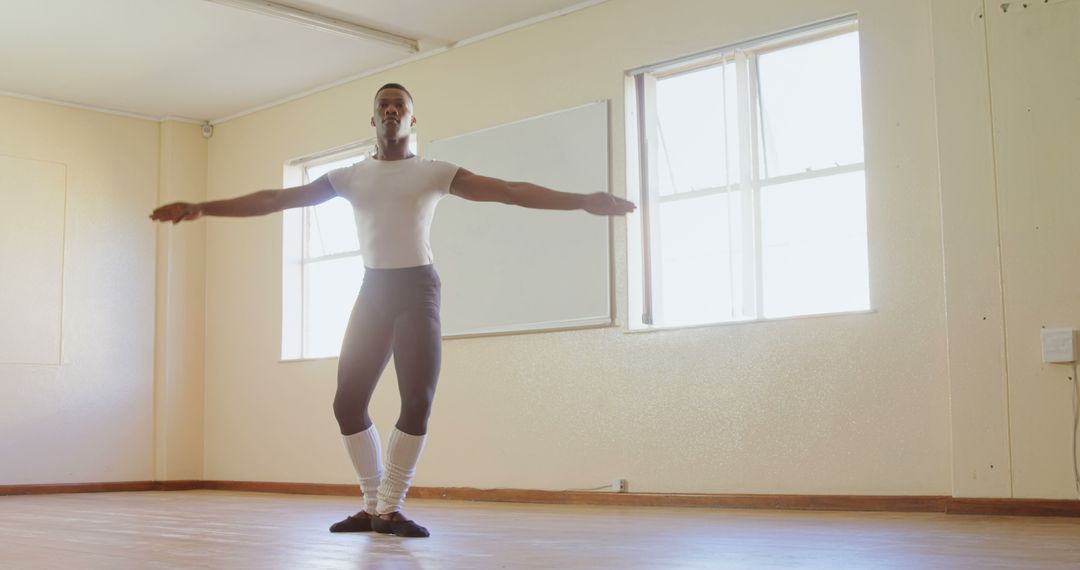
(510, 269)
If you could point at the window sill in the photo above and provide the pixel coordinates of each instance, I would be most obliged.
(651, 329)
(307, 359)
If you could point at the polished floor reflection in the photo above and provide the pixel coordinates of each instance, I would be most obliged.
(217, 529)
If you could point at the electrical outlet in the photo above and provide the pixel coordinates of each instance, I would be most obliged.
(1058, 345)
(620, 486)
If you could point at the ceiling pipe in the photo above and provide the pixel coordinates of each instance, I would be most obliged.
(320, 22)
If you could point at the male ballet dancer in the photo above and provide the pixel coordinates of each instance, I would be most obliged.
(394, 194)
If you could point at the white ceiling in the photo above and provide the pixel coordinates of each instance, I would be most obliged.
(197, 60)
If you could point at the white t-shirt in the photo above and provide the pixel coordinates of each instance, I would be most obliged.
(393, 202)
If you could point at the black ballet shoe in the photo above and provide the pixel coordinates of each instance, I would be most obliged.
(405, 528)
(353, 524)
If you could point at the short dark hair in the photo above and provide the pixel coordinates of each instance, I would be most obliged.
(393, 86)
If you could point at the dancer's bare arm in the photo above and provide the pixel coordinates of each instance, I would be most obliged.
(254, 204)
(487, 189)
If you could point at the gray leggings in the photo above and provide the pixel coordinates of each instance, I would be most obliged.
(396, 312)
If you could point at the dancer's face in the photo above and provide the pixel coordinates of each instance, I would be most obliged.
(393, 119)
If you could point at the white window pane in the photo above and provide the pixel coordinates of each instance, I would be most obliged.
(314, 172)
(330, 289)
(700, 259)
(811, 106)
(691, 119)
(814, 246)
(331, 228)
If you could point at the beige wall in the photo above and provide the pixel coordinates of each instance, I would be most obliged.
(1035, 83)
(119, 406)
(90, 418)
(181, 307)
(855, 404)
(1008, 124)
(976, 322)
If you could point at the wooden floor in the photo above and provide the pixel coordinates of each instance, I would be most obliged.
(218, 529)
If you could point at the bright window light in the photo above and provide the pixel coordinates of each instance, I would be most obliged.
(322, 268)
(753, 188)
(813, 244)
(811, 106)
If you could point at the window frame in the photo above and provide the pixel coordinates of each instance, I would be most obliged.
(296, 258)
(642, 121)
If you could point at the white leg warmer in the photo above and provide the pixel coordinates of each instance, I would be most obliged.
(366, 455)
(402, 454)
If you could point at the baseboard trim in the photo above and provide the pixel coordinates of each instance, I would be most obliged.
(58, 488)
(289, 488)
(178, 485)
(806, 502)
(1016, 507)
(884, 503)
(785, 502)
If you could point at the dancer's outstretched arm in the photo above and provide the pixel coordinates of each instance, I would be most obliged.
(487, 189)
(254, 204)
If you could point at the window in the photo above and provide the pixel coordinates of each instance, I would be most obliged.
(322, 267)
(751, 182)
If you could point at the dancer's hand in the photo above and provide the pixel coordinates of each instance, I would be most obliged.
(177, 212)
(604, 204)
